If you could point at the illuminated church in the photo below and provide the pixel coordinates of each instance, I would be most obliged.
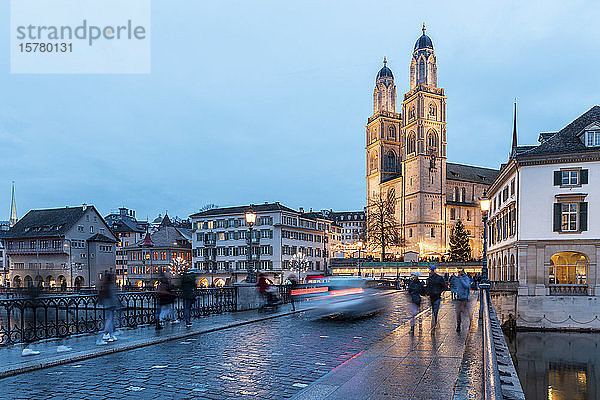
(406, 155)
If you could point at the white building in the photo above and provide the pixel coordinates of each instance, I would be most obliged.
(544, 226)
(283, 241)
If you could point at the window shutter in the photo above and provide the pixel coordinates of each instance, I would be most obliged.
(557, 178)
(583, 178)
(557, 216)
(583, 216)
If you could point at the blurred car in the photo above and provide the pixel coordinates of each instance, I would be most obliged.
(343, 297)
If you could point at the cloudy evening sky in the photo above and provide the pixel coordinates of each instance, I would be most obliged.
(254, 101)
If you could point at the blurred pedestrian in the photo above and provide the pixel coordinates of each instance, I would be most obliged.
(107, 298)
(165, 301)
(188, 292)
(293, 286)
(434, 289)
(460, 286)
(415, 290)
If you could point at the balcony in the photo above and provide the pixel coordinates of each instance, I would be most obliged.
(568, 290)
(210, 242)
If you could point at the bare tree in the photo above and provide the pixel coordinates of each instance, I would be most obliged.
(382, 227)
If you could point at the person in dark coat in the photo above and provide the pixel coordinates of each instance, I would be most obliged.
(434, 289)
(415, 290)
(188, 292)
(293, 286)
(165, 301)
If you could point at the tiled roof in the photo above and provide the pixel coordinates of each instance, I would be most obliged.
(125, 226)
(167, 236)
(243, 209)
(50, 222)
(566, 140)
(98, 237)
(468, 173)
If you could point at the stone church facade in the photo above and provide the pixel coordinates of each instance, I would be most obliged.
(406, 157)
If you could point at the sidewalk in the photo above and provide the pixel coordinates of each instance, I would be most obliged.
(423, 365)
(88, 346)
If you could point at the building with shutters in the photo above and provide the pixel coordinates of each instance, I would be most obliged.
(406, 161)
(70, 246)
(544, 224)
(284, 241)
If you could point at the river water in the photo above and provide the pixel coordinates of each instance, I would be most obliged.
(557, 365)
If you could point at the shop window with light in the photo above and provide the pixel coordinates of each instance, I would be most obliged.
(568, 268)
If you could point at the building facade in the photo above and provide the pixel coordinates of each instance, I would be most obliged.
(283, 241)
(129, 232)
(544, 226)
(406, 160)
(73, 245)
(166, 252)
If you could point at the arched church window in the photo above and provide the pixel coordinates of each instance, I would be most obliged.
(411, 112)
(392, 133)
(389, 162)
(374, 162)
(410, 143)
(456, 194)
(432, 111)
(421, 77)
(432, 142)
(463, 195)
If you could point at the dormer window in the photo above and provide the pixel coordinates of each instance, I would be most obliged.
(592, 138)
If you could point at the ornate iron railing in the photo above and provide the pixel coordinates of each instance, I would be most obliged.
(44, 317)
(568, 290)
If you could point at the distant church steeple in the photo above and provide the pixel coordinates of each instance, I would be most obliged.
(13, 208)
(384, 95)
(423, 67)
(513, 151)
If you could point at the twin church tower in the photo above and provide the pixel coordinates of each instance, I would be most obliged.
(406, 159)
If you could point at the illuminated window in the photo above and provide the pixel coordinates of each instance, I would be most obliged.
(568, 268)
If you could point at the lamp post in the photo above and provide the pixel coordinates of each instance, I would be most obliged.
(70, 259)
(360, 246)
(250, 220)
(484, 204)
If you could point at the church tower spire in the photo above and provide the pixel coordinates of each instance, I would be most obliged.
(423, 67)
(513, 151)
(384, 95)
(13, 208)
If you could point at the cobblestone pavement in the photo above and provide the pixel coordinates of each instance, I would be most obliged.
(271, 359)
(423, 365)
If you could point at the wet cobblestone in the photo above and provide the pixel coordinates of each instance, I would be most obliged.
(272, 359)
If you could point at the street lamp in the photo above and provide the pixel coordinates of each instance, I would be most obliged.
(360, 246)
(484, 204)
(70, 259)
(250, 220)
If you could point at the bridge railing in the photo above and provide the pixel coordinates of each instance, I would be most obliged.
(28, 319)
(500, 376)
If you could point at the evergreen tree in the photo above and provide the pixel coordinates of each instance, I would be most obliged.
(460, 249)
